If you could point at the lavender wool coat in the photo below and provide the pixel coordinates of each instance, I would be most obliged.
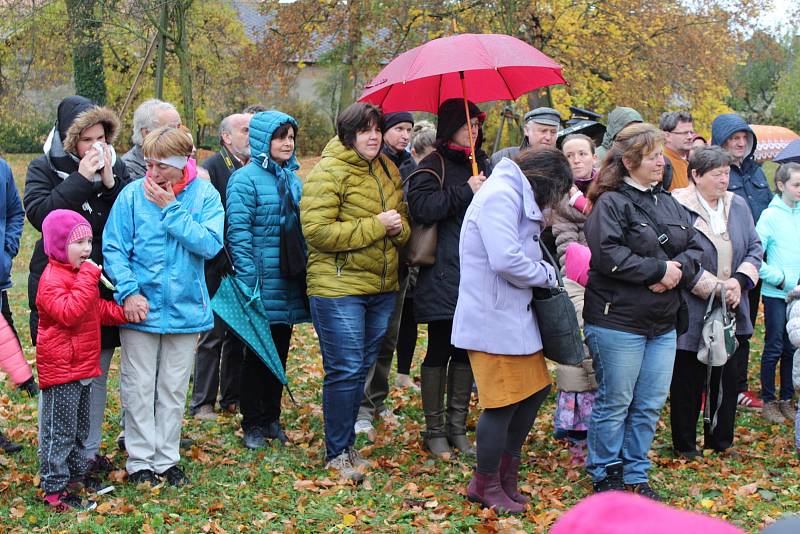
(500, 262)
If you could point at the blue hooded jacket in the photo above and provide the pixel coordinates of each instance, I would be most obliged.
(11, 221)
(160, 253)
(748, 179)
(253, 214)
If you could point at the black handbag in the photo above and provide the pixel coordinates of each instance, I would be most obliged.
(558, 321)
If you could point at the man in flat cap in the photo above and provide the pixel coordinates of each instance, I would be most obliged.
(541, 129)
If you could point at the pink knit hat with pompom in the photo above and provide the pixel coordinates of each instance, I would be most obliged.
(59, 229)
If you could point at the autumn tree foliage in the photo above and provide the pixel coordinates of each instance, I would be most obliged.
(645, 54)
(648, 55)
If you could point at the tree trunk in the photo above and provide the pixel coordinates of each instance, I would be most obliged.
(87, 50)
(162, 51)
(348, 74)
(184, 61)
(539, 98)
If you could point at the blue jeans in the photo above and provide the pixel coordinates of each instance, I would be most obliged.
(633, 374)
(350, 331)
(777, 348)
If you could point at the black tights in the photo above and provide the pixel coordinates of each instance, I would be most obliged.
(439, 348)
(505, 430)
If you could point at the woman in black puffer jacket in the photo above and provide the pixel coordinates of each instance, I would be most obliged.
(67, 176)
(437, 286)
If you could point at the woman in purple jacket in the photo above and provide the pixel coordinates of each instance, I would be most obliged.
(500, 262)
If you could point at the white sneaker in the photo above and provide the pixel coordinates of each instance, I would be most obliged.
(363, 426)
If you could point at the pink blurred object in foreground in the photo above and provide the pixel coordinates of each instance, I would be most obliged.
(12, 361)
(615, 512)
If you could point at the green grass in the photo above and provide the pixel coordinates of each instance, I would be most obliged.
(288, 489)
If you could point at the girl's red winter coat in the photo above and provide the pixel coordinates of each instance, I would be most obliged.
(70, 314)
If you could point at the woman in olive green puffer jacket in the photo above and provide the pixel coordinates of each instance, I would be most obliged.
(354, 222)
(350, 252)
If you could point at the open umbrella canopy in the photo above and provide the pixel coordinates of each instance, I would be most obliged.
(494, 66)
(791, 153)
(244, 313)
(771, 140)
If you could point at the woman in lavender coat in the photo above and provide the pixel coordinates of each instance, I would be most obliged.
(500, 262)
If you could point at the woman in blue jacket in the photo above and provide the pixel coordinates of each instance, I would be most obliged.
(159, 233)
(269, 256)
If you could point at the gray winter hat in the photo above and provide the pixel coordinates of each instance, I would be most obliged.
(544, 115)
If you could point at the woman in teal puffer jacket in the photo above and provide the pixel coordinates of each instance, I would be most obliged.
(269, 256)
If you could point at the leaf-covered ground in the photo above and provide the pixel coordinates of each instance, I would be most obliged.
(288, 489)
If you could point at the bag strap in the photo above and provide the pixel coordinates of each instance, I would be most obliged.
(230, 259)
(385, 168)
(707, 417)
(439, 177)
(556, 268)
(662, 237)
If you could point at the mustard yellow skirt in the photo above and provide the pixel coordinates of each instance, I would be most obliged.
(504, 380)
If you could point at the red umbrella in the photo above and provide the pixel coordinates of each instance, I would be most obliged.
(477, 67)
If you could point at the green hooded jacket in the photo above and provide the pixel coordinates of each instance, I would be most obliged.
(618, 119)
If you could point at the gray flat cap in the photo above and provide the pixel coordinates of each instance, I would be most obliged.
(544, 115)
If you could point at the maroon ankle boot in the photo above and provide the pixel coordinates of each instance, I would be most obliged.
(509, 475)
(486, 489)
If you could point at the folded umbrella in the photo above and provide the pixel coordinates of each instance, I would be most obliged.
(243, 312)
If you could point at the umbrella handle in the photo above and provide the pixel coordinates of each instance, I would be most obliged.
(472, 159)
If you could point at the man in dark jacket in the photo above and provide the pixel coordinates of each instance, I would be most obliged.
(150, 115)
(731, 132)
(67, 177)
(219, 347)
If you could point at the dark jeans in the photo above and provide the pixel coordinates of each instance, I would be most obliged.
(754, 298)
(350, 331)
(777, 348)
(260, 392)
(218, 360)
(688, 384)
(440, 351)
(406, 338)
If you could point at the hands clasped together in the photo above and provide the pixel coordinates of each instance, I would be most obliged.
(392, 221)
(671, 278)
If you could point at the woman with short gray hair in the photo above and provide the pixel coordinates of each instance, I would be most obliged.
(731, 259)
